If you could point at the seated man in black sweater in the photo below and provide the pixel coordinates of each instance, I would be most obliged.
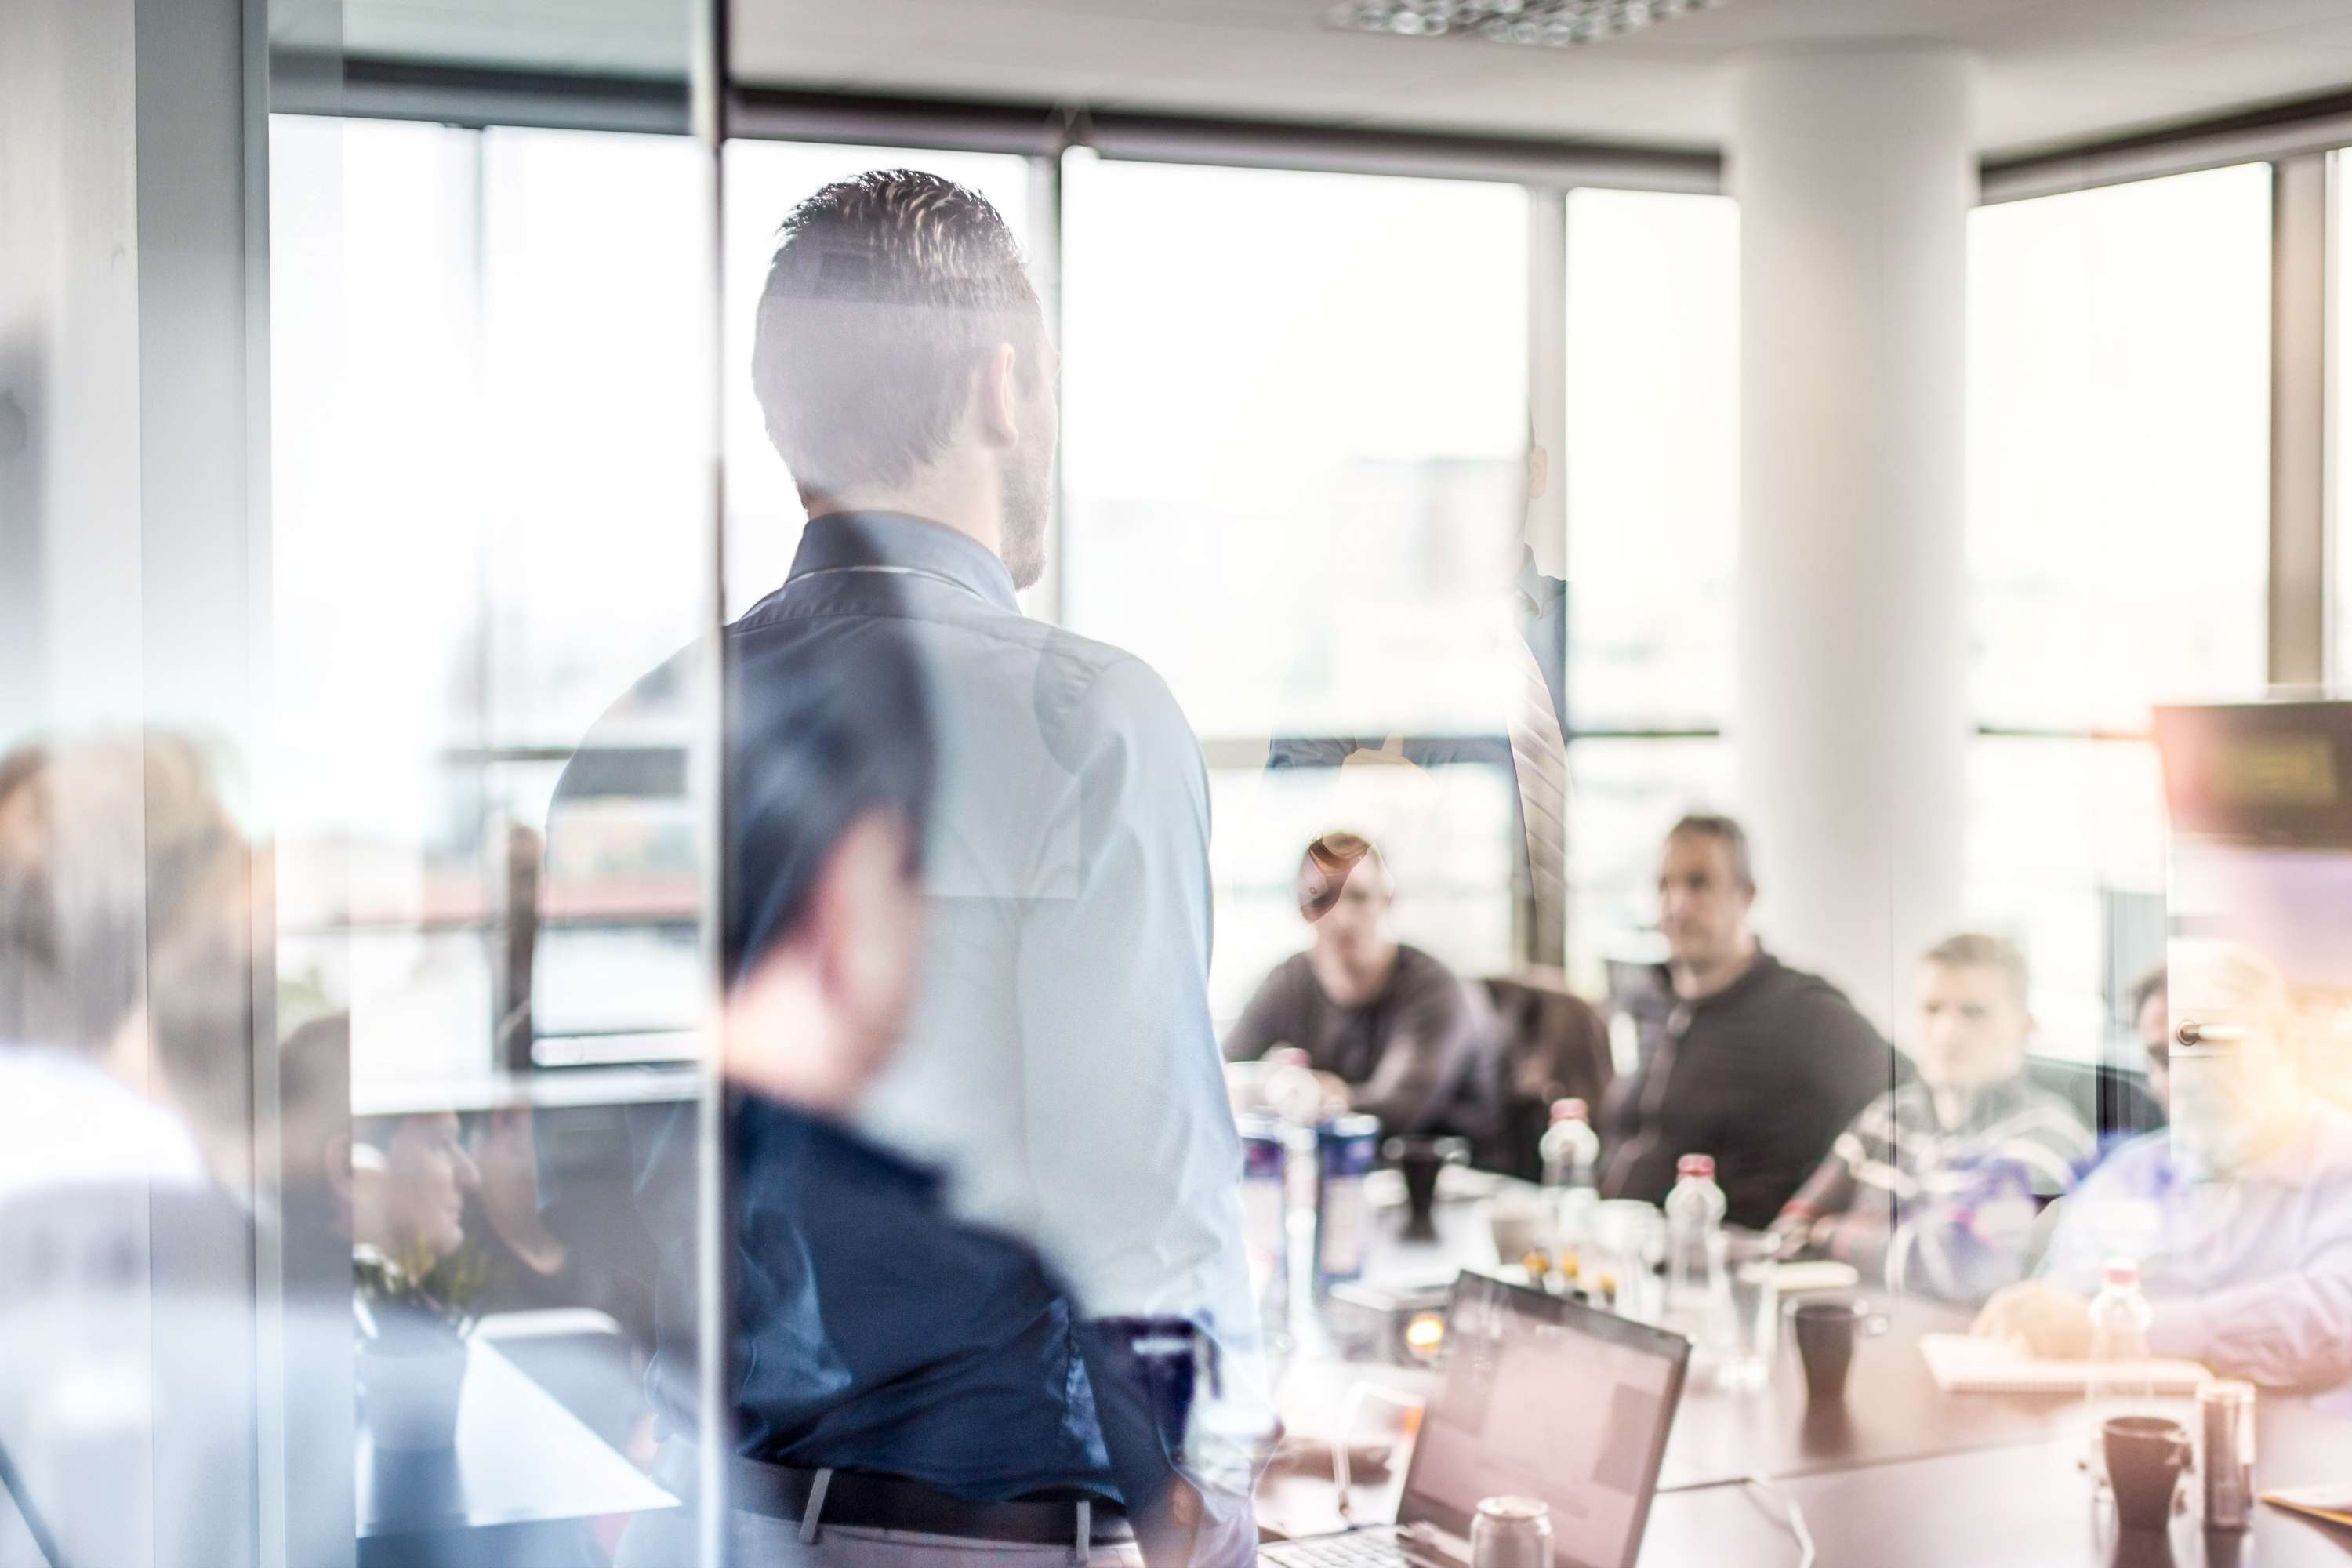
(1388, 1028)
(1742, 1057)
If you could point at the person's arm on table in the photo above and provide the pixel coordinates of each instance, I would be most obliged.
(1266, 1023)
(1422, 1063)
(1131, 1143)
(2290, 1331)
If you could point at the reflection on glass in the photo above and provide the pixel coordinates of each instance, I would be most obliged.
(1292, 469)
(2118, 480)
(1652, 456)
(491, 403)
(2067, 855)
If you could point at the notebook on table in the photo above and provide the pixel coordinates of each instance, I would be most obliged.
(2331, 1502)
(1964, 1363)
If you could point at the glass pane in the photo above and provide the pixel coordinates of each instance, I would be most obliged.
(492, 518)
(764, 181)
(1653, 457)
(1292, 469)
(1622, 796)
(2119, 449)
(2067, 845)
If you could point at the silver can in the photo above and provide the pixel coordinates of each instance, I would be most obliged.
(1511, 1532)
(2225, 1430)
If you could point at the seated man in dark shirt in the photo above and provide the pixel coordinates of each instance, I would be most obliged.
(1389, 1029)
(1742, 1057)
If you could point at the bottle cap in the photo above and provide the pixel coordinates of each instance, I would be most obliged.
(2119, 1271)
(1696, 1165)
(1570, 1110)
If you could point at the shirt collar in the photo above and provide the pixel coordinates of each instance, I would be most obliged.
(1536, 592)
(843, 539)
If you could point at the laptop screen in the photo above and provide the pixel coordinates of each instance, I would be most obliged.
(1546, 1398)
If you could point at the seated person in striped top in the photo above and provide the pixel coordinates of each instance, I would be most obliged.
(1934, 1187)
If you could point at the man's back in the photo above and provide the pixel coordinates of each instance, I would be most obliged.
(1060, 1065)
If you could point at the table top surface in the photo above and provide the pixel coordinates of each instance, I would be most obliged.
(520, 1458)
(1950, 1478)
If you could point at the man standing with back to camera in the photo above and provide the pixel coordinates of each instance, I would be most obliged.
(1059, 1067)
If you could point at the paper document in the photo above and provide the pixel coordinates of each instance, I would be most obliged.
(2331, 1502)
(1963, 1363)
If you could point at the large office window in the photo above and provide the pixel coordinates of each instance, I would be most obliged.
(1294, 482)
(2119, 539)
(1651, 477)
(491, 504)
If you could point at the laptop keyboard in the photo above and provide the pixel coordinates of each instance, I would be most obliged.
(1359, 1549)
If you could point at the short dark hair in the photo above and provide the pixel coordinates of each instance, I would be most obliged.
(845, 734)
(884, 293)
(1337, 855)
(1976, 950)
(1727, 831)
(2154, 981)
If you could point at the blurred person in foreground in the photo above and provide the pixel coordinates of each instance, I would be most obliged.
(884, 1350)
(397, 1184)
(1388, 1029)
(1058, 1075)
(1742, 1057)
(115, 854)
(2240, 1215)
(1935, 1187)
(126, 1197)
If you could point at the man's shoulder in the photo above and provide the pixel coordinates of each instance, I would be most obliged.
(1817, 999)
(2139, 1165)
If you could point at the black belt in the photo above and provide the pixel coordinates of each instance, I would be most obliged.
(874, 1502)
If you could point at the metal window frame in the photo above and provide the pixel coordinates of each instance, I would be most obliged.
(2298, 139)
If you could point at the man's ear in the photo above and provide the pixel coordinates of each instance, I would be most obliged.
(862, 920)
(997, 397)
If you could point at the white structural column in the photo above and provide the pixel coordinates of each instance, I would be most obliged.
(1855, 176)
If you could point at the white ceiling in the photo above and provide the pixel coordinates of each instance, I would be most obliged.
(2052, 71)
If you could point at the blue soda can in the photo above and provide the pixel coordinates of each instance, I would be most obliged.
(1344, 1148)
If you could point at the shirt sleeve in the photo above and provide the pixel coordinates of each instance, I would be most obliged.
(2290, 1331)
(1128, 1130)
(1423, 1059)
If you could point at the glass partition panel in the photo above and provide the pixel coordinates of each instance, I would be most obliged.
(2119, 548)
(1652, 456)
(493, 525)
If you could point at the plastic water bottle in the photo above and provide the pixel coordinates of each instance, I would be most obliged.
(1698, 1295)
(1571, 1156)
(2116, 1381)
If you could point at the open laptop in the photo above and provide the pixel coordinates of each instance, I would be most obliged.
(1543, 1397)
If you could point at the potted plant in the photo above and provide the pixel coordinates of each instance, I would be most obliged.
(413, 1316)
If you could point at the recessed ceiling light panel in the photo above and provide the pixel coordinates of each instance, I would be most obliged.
(1536, 24)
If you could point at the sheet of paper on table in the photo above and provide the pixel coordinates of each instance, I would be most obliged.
(1964, 1363)
(2331, 1501)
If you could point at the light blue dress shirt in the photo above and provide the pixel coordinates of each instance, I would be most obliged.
(2252, 1277)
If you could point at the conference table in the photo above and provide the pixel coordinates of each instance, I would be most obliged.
(517, 1490)
(1898, 1475)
